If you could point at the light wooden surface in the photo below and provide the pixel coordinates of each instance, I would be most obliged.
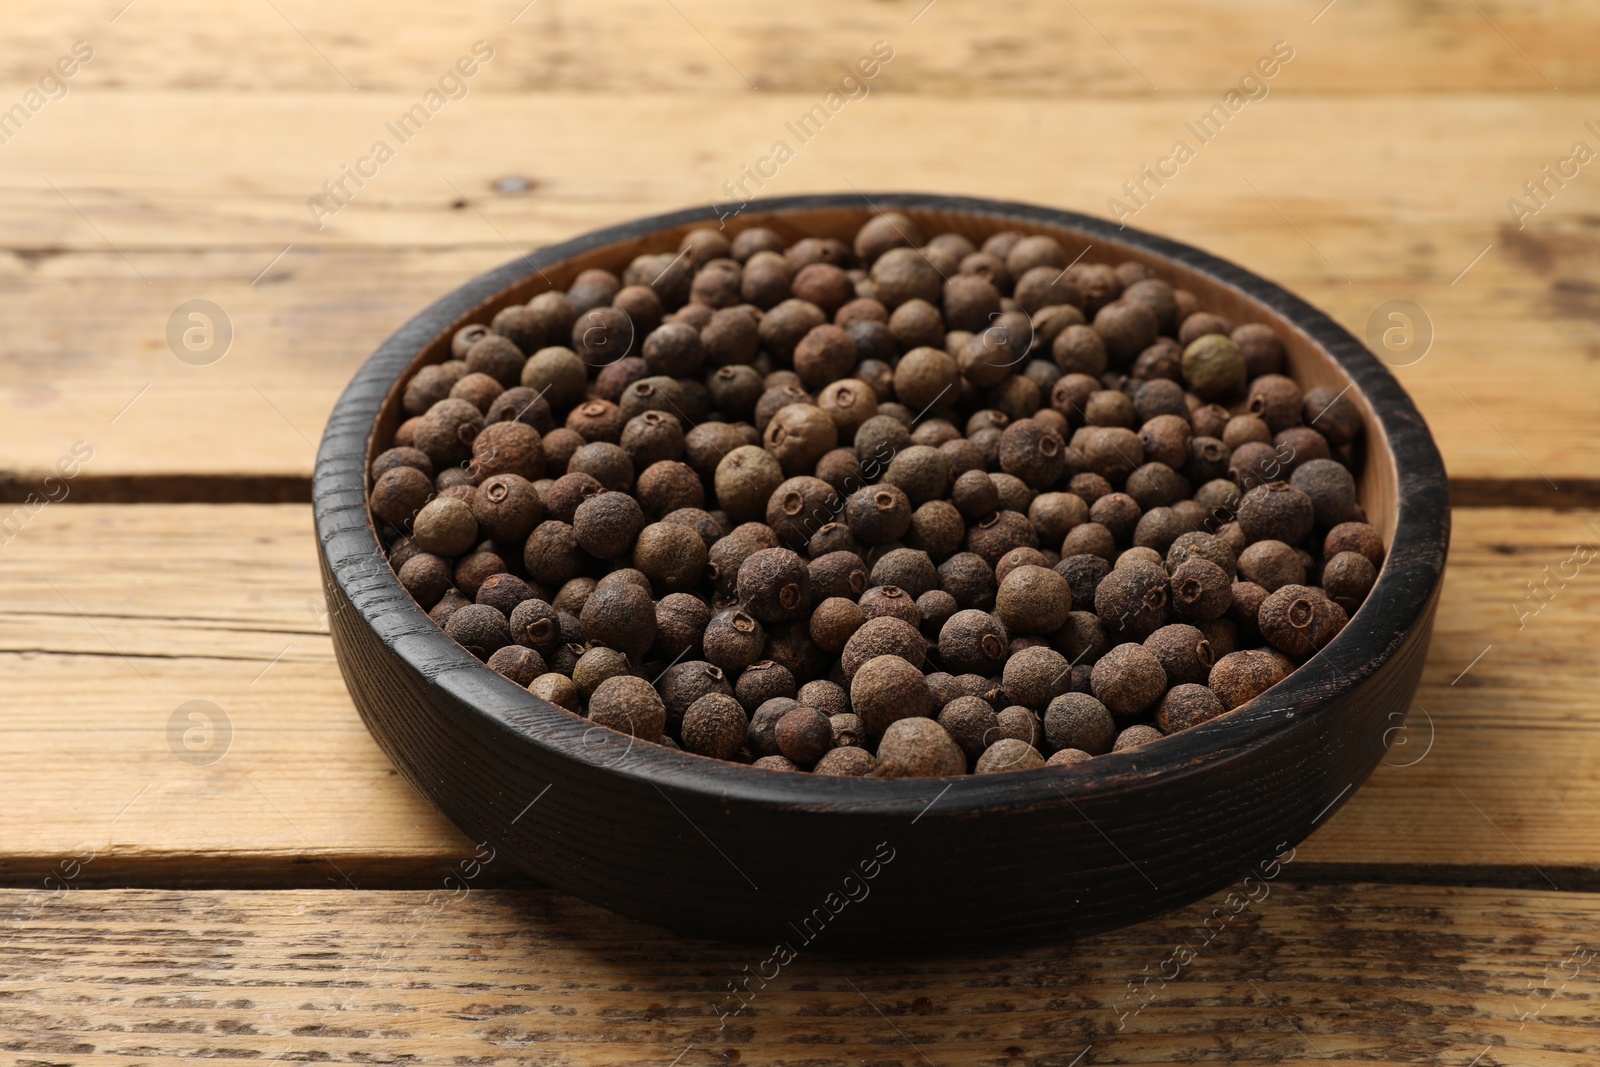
(291, 875)
(1303, 974)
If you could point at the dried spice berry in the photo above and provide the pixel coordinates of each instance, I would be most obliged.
(517, 663)
(506, 508)
(1201, 590)
(762, 681)
(733, 640)
(1242, 676)
(1271, 565)
(681, 684)
(909, 568)
(1297, 620)
(888, 688)
(628, 705)
(478, 628)
(971, 722)
(918, 748)
(535, 625)
(714, 725)
(1134, 600)
(830, 699)
(834, 621)
(672, 556)
(607, 524)
(804, 735)
(885, 636)
(1187, 705)
(774, 585)
(1008, 754)
(1347, 578)
(400, 494)
(445, 527)
(620, 616)
(1331, 489)
(846, 761)
(973, 642)
(1033, 600)
(1035, 676)
(1185, 654)
(1134, 736)
(1128, 680)
(1079, 721)
(1213, 367)
(1276, 512)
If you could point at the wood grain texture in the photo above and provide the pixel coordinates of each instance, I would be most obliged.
(207, 194)
(85, 732)
(1028, 47)
(455, 975)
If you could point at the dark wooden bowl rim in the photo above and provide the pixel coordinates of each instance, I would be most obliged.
(1397, 603)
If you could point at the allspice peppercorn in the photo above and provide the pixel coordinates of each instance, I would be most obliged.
(885, 689)
(445, 527)
(1128, 680)
(878, 514)
(1185, 654)
(479, 628)
(1297, 620)
(1242, 676)
(607, 524)
(1185, 705)
(1201, 590)
(918, 748)
(1271, 565)
(714, 725)
(1134, 736)
(774, 585)
(971, 722)
(628, 705)
(973, 642)
(804, 735)
(1033, 600)
(1347, 578)
(883, 636)
(1213, 367)
(834, 621)
(1079, 721)
(1134, 600)
(762, 681)
(1276, 512)
(846, 761)
(1035, 676)
(620, 616)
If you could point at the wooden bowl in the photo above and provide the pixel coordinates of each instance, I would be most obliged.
(870, 865)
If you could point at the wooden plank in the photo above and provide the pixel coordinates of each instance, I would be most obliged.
(489, 977)
(208, 208)
(1036, 47)
(118, 616)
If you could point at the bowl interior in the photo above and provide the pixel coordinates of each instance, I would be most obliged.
(1308, 337)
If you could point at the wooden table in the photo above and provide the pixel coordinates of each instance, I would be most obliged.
(273, 892)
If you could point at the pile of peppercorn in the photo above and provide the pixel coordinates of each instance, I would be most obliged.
(905, 506)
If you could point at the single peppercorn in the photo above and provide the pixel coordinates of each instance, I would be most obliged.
(684, 683)
(714, 725)
(1331, 489)
(1297, 620)
(620, 616)
(846, 761)
(1134, 600)
(400, 494)
(1134, 736)
(762, 681)
(1242, 676)
(834, 621)
(918, 748)
(878, 514)
(1033, 600)
(1271, 565)
(1201, 590)
(628, 705)
(909, 568)
(883, 636)
(733, 640)
(973, 642)
(1347, 578)
(774, 585)
(804, 735)
(445, 526)
(971, 722)
(830, 699)
(607, 524)
(1128, 680)
(1187, 705)
(1079, 721)
(479, 628)
(1276, 512)
(1185, 654)
(1035, 676)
